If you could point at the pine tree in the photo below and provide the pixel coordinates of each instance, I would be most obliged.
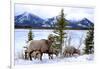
(89, 42)
(30, 35)
(60, 26)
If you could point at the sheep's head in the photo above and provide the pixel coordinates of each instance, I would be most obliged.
(51, 38)
(77, 51)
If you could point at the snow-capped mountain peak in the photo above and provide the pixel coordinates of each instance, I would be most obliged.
(31, 20)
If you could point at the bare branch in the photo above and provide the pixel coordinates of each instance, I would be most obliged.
(69, 40)
(81, 41)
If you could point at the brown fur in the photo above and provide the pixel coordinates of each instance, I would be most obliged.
(70, 51)
(39, 45)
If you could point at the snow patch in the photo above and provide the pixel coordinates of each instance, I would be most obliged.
(55, 60)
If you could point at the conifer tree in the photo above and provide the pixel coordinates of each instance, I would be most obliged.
(89, 42)
(60, 26)
(30, 35)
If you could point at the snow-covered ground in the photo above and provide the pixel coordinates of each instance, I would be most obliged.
(56, 60)
(21, 36)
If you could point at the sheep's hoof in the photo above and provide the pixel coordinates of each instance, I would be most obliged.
(30, 59)
(41, 59)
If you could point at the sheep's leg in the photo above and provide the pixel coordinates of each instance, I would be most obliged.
(65, 55)
(56, 54)
(30, 56)
(52, 56)
(36, 56)
(41, 56)
(70, 54)
(26, 56)
(49, 56)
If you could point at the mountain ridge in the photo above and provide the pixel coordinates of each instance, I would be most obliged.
(29, 20)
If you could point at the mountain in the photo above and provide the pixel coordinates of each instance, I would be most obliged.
(27, 20)
(81, 24)
(85, 23)
(50, 22)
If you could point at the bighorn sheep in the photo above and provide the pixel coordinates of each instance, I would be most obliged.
(70, 51)
(42, 45)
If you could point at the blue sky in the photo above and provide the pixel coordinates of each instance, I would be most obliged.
(51, 11)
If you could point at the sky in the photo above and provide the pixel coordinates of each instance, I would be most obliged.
(44, 11)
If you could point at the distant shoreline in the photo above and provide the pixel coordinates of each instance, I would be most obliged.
(53, 28)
